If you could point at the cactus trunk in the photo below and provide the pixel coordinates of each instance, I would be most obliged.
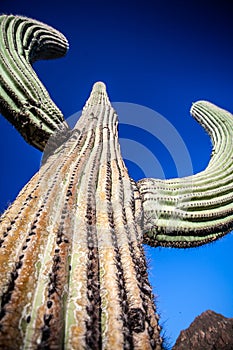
(73, 270)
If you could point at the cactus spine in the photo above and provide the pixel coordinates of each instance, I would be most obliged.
(72, 266)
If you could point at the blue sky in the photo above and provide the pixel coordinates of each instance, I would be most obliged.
(163, 55)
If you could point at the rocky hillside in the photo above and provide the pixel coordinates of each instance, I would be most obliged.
(209, 331)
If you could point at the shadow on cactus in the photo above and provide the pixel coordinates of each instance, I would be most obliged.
(73, 269)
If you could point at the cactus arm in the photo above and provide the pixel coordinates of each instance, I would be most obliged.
(194, 210)
(24, 100)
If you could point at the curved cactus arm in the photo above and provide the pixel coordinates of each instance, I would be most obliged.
(198, 209)
(24, 100)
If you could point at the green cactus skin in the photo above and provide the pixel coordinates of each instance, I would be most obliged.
(198, 209)
(24, 101)
(72, 265)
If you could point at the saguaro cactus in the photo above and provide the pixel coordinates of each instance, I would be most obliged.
(72, 265)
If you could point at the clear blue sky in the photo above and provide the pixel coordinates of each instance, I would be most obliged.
(163, 55)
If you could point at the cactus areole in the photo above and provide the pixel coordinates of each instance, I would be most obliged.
(72, 265)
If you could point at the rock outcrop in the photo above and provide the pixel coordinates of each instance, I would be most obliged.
(209, 331)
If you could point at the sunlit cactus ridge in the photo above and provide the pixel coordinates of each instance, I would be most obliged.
(72, 265)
